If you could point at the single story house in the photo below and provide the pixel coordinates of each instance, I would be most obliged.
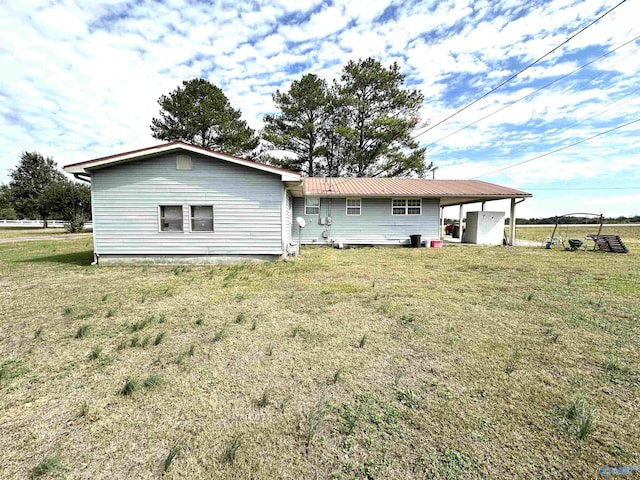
(179, 202)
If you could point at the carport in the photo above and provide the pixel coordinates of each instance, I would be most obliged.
(464, 192)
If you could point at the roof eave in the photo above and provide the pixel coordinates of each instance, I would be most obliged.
(104, 162)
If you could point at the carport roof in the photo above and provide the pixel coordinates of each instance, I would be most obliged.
(451, 192)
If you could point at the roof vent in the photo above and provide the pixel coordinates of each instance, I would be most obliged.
(183, 162)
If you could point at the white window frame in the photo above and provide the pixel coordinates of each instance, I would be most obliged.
(347, 207)
(213, 218)
(406, 207)
(160, 230)
(307, 207)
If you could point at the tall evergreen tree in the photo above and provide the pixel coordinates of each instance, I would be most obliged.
(297, 128)
(28, 184)
(200, 113)
(378, 115)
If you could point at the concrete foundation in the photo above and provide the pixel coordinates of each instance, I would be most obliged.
(185, 259)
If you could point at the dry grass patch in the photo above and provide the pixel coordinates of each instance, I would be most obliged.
(366, 363)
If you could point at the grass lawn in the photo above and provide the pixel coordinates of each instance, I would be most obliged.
(629, 233)
(462, 362)
(14, 232)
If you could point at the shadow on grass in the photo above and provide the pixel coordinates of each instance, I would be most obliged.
(83, 258)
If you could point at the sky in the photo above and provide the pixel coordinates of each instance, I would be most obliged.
(81, 79)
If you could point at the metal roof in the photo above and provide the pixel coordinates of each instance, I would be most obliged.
(385, 187)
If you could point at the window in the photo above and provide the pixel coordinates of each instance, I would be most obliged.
(354, 206)
(202, 218)
(171, 218)
(406, 206)
(312, 206)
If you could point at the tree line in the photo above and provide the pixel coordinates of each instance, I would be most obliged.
(357, 126)
(38, 190)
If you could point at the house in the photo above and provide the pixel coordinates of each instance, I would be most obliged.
(177, 202)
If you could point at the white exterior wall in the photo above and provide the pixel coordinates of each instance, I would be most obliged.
(485, 228)
(375, 225)
(247, 208)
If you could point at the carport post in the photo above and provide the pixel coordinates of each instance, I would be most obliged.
(460, 223)
(440, 233)
(512, 223)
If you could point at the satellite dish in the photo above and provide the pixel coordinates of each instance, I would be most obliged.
(301, 223)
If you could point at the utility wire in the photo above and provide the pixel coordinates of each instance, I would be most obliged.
(534, 92)
(558, 149)
(519, 72)
(621, 101)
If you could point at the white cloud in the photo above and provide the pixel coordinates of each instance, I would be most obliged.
(82, 79)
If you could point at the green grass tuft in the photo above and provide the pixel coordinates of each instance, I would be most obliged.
(140, 324)
(264, 399)
(363, 341)
(38, 333)
(154, 380)
(158, 339)
(241, 318)
(313, 421)
(95, 352)
(220, 334)
(231, 450)
(512, 361)
(130, 386)
(301, 332)
(582, 415)
(49, 466)
(174, 451)
(83, 331)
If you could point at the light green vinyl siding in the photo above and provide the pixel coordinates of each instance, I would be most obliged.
(375, 224)
(126, 198)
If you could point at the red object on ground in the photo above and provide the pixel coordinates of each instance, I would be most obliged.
(436, 243)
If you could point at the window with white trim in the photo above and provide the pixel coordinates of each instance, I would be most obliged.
(354, 206)
(202, 218)
(311, 206)
(406, 206)
(171, 218)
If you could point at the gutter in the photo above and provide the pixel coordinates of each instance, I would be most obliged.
(80, 177)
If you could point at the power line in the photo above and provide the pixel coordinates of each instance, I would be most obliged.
(621, 101)
(521, 71)
(558, 149)
(534, 92)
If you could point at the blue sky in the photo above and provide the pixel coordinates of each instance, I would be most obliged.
(82, 79)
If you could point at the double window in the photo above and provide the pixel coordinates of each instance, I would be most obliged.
(354, 206)
(311, 206)
(171, 218)
(406, 206)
